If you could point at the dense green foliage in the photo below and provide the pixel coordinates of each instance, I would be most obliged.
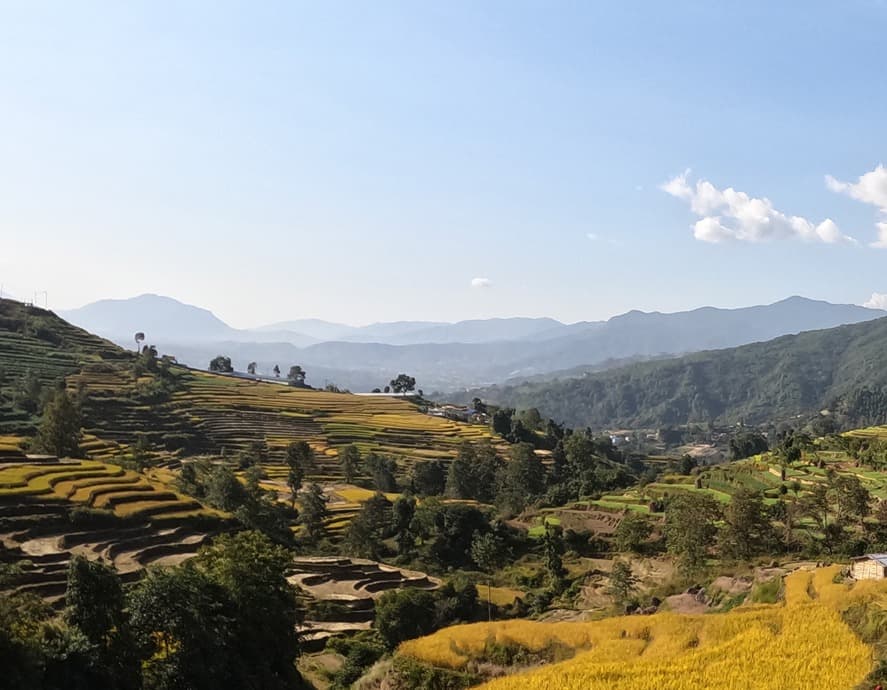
(60, 428)
(843, 369)
(226, 618)
(408, 613)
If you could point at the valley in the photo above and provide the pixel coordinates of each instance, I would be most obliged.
(403, 529)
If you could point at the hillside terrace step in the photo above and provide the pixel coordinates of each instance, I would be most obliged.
(165, 537)
(149, 554)
(26, 509)
(52, 588)
(108, 534)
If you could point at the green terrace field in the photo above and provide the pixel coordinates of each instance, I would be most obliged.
(762, 473)
(872, 432)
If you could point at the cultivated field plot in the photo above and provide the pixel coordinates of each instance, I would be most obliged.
(801, 644)
(761, 473)
(213, 413)
(326, 420)
(12, 448)
(141, 522)
(349, 586)
(98, 485)
(879, 432)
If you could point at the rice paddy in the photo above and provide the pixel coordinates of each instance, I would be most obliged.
(800, 643)
(96, 485)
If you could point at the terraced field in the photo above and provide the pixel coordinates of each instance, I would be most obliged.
(40, 536)
(761, 473)
(191, 412)
(98, 485)
(37, 344)
(221, 414)
(801, 643)
(12, 448)
(352, 585)
(142, 522)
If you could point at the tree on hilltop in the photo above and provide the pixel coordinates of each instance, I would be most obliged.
(221, 364)
(139, 338)
(276, 371)
(403, 383)
(296, 376)
(251, 368)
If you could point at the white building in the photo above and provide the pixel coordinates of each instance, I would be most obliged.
(872, 566)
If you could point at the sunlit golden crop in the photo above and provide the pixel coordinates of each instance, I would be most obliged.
(799, 644)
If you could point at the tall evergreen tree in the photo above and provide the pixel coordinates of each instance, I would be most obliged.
(61, 427)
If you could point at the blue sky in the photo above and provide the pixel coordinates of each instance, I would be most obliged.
(370, 161)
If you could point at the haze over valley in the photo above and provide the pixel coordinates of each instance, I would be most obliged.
(451, 356)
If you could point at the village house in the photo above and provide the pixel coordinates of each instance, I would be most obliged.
(872, 566)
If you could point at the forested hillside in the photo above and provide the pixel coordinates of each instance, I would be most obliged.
(841, 369)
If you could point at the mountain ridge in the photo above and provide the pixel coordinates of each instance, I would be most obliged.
(471, 353)
(841, 371)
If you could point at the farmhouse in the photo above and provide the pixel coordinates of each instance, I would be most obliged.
(872, 566)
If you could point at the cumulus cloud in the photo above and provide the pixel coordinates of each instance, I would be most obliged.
(729, 215)
(870, 188)
(881, 242)
(481, 283)
(878, 300)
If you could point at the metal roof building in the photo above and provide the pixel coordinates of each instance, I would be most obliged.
(872, 566)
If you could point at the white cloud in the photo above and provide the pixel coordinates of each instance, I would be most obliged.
(592, 236)
(878, 300)
(870, 188)
(481, 283)
(729, 215)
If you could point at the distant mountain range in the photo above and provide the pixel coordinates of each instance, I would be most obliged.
(451, 356)
(840, 372)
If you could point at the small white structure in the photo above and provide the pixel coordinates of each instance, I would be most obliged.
(872, 566)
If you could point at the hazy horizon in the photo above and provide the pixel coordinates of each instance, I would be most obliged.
(421, 320)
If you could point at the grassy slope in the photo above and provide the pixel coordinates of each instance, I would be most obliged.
(758, 383)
